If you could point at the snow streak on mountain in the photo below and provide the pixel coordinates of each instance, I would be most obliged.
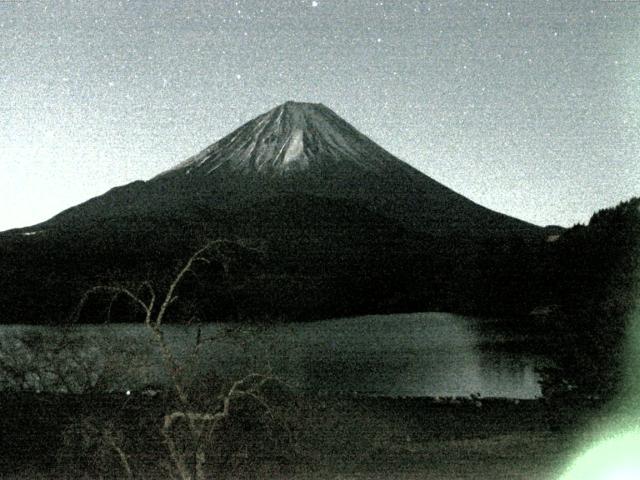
(292, 137)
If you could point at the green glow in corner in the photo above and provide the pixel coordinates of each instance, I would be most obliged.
(613, 459)
(617, 455)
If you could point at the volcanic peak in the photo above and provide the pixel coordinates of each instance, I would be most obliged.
(292, 137)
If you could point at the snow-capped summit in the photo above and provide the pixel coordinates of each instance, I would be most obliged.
(302, 150)
(292, 137)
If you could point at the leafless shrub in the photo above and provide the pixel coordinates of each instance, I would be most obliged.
(196, 424)
(90, 443)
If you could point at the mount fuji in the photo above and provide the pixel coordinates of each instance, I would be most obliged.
(301, 148)
(347, 227)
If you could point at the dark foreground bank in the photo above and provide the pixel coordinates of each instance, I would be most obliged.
(63, 436)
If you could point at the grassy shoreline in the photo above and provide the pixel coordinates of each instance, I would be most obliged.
(335, 437)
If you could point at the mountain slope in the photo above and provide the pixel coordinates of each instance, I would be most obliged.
(304, 149)
(347, 228)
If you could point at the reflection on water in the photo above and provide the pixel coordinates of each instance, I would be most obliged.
(429, 354)
(423, 354)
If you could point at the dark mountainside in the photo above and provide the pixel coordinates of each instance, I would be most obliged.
(299, 148)
(594, 275)
(343, 228)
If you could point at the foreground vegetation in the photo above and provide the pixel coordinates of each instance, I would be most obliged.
(53, 436)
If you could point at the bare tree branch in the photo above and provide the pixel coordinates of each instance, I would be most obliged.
(109, 439)
(195, 422)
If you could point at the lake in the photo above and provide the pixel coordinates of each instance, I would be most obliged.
(419, 354)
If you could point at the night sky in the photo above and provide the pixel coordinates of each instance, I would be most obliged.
(531, 108)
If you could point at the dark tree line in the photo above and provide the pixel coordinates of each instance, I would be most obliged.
(595, 273)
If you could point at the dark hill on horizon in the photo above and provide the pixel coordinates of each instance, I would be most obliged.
(346, 228)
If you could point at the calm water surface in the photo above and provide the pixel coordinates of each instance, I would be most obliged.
(421, 354)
